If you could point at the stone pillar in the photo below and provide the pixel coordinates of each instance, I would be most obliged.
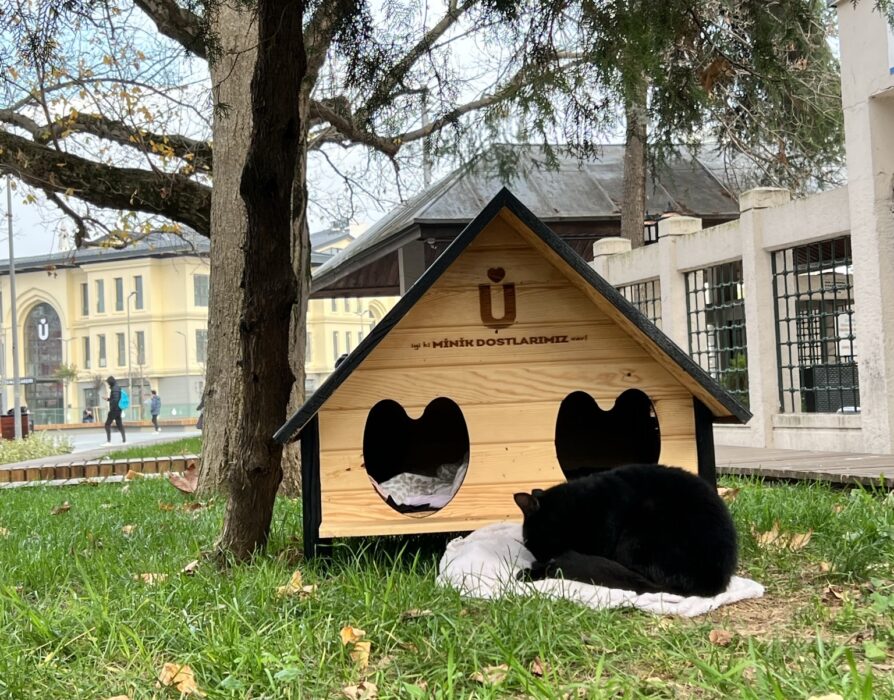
(867, 95)
(603, 249)
(673, 285)
(757, 282)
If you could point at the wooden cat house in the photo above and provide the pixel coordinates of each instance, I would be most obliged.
(510, 365)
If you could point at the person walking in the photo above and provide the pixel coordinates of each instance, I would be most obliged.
(114, 399)
(155, 409)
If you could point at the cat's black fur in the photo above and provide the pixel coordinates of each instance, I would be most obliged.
(642, 527)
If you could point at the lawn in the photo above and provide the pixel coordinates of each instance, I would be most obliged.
(75, 623)
(184, 446)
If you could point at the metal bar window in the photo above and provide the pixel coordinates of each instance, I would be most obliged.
(715, 311)
(646, 297)
(813, 286)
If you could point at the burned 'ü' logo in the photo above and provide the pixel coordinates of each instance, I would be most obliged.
(485, 292)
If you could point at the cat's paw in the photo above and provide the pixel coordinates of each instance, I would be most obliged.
(537, 572)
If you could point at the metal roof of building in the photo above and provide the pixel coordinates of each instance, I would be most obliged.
(575, 190)
(158, 244)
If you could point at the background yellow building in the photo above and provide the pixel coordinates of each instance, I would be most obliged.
(77, 309)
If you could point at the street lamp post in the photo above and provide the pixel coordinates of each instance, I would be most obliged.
(17, 406)
(186, 369)
(129, 353)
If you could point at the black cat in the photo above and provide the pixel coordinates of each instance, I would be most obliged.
(641, 527)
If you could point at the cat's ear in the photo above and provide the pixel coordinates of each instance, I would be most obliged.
(527, 502)
(537, 493)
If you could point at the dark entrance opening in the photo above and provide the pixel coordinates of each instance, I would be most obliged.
(590, 440)
(416, 466)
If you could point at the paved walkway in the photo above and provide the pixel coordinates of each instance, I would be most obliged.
(835, 467)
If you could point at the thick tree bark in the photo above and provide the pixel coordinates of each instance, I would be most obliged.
(236, 33)
(633, 208)
(255, 301)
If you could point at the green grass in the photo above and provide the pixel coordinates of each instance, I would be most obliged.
(74, 623)
(35, 446)
(184, 446)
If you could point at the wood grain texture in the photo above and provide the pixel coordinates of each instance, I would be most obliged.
(363, 512)
(501, 424)
(509, 392)
(504, 383)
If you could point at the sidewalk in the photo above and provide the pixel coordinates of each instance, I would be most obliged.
(833, 467)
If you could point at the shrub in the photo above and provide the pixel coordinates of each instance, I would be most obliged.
(34, 446)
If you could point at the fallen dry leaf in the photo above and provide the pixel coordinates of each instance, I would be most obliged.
(131, 475)
(828, 696)
(190, 568)
(348, 634)
(824, 567)
(538, 667)
(415, 614)
(4, 532)
(193, 505)
(720, 637)
(360, 653)
(296, 587)
(774, 538)
(364, 691)
(64, 508)
(727, 494)
(128, 529)
(834, 595)
(181, 677)
(119, 697)
(188, 482)
(837, 508)
(166, 506)
(799, 540)
(492, 675)
(150, 579)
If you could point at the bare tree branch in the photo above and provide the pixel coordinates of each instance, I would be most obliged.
(394, 76)
(176, 197)
(176, 23)
(197, 153)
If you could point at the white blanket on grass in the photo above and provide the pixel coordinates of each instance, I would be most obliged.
(484, 565)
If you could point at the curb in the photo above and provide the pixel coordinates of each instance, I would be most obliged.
(96, 469)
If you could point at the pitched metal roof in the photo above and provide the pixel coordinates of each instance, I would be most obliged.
(158, 244)
(572, 190)
(291, 430)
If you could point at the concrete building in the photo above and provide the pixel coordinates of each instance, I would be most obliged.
(77, 309)
(336, 326)
(792, 306)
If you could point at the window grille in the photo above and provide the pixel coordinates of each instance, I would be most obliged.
(646, 297)
(813, 286)
(715, 310)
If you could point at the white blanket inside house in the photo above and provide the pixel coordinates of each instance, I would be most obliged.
(418, 491)
(484, 565)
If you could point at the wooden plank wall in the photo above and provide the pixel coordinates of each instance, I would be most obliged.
(509, 394)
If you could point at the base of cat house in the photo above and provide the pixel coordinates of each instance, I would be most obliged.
(485, 563)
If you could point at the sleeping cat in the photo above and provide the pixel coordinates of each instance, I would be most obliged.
(642, 527)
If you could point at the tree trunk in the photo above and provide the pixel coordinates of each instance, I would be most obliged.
(236, 31)
(259, 200)
(633, 208)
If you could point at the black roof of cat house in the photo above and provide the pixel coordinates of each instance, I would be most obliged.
(723, 407)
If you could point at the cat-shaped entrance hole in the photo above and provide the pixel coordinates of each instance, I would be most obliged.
(416, 466)
(589, 439)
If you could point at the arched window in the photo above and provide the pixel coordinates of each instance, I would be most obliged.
(43, 357)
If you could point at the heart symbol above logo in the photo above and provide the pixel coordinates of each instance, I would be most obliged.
(496, 274)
